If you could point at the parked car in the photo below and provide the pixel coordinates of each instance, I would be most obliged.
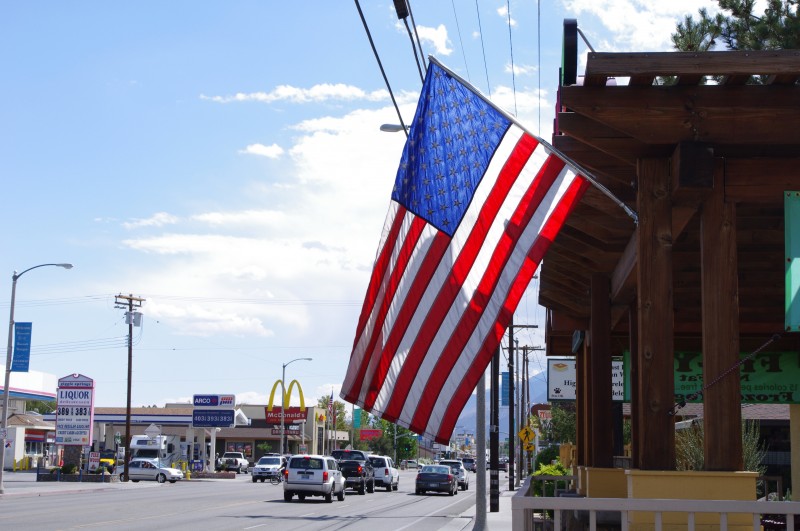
(408, 463)
(458, 469)
(386, 475)
(235, 461)
(436, 478)
(268, 467)
(313, 475)
(470, 463)
(149, 470)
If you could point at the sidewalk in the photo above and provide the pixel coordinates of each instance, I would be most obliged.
(25, 484)
(500, 520)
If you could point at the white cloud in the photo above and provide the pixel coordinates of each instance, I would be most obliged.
(272, 152)
(503, 12)
(638, 25)
(317, 94)
(244, 218)
(159, 219)
(521, 70)
(437, 37)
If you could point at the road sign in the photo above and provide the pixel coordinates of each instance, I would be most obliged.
(526, 434)
(212, 418)
(152, 431)
(214, 401)
(22, 347)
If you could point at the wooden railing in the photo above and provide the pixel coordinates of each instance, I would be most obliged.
(529, 512)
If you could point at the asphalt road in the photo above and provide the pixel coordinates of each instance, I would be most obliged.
(232, 504)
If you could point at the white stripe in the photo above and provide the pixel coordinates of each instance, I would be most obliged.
(357, 356)
(499, 296)
(500, 157)
(420, 251)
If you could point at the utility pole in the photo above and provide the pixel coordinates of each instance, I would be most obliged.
(128, 302)
(494, 434)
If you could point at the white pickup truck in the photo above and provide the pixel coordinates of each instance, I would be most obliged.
(235, 461)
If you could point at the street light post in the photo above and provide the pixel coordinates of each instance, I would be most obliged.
(14, 277)
(284, 401)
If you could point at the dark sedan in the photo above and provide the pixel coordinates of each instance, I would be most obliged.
(437, 478)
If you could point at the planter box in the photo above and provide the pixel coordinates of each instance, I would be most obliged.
(213, 475)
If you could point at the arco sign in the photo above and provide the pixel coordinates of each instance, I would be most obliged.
(273, 414)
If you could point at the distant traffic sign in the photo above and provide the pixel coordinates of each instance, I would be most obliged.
(212, 418)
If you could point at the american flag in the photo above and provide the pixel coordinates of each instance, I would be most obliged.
(476, 203)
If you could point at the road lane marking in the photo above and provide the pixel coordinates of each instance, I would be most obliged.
(427, 516)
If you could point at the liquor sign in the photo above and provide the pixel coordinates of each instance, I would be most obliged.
(293, 415)
(74, 410)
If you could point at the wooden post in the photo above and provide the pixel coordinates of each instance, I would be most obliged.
(656, 390)
(722, 419)
(602, 434)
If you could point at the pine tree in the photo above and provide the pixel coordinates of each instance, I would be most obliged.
(740, 28)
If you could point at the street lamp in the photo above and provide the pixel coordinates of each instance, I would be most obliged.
(6, 393)
(284, 402)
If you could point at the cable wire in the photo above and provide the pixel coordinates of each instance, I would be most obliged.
(460, 41)
(380, 65)
(419, 43)
(511, 49)
(485, 68)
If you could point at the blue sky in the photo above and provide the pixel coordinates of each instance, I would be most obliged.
(223, 160)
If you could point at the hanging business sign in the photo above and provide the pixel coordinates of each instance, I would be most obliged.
(561, 379)
(22, 347)
(74, 410)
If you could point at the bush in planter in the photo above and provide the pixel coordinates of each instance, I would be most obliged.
(70, 468)
(555, 469)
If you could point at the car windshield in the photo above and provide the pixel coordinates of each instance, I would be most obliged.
(269, 461)
(435, 469)
(377, 461)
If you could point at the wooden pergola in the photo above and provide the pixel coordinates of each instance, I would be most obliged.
(704, 160)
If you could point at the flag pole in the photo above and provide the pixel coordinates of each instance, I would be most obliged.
(571, 163)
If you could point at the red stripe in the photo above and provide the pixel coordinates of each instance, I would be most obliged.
(529, 204)
(379, 271)
(408, 308)
(451, 287)
(549, 231)
(404, 256)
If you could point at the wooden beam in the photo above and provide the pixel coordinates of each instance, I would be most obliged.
(699, 113)
(702, 63)
(722, 418)
(654, 280)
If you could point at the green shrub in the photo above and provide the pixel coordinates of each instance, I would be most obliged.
(546, 456)
(70, 468)
(555, 469)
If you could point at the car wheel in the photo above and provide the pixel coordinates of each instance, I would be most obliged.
(371, 487)
(453, 491)
(255, 479)
(287, 496)
(340, 496)
(329, 497)
(161, 478)
(418, 492)
(362, 489)
(263, 480)
(301, 497)
(389, 487)
(396, 485)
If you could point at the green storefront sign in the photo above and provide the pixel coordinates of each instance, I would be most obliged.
(766, 378)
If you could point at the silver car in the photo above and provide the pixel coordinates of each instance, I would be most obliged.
(150, 470)
(458, 470)
(313, 475)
